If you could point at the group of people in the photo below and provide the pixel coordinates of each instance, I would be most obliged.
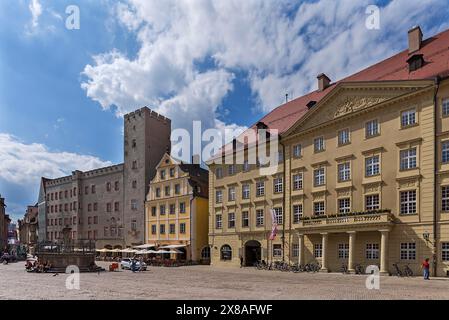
(36, 266)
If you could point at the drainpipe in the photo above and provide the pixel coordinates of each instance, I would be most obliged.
(435, 178)
(284, 201)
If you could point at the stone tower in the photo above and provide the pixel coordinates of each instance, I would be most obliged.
(147, 138)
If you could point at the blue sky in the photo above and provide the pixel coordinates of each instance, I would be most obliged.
(227, 63)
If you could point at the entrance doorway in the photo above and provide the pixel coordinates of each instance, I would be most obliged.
(252, 252)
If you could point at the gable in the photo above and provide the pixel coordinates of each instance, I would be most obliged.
(350, 99)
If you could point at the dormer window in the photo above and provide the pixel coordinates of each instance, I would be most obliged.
(310, 104)
(415, 62)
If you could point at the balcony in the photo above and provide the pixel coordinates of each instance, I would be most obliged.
(370, 220)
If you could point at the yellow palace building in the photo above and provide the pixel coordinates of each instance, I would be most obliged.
(176, 209)
(363, 175)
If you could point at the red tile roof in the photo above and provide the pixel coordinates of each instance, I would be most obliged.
(436, 57)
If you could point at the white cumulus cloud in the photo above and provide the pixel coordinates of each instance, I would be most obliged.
(35, 10)
(24, 164)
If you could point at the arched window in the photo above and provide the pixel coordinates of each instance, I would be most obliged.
(226, 252)
(205, 253)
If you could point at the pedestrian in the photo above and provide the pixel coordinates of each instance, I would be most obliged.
(426, 266)
(241, 261)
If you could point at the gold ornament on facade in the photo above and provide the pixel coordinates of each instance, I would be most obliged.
(352, 104)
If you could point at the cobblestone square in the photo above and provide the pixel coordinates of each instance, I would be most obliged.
(205, 282)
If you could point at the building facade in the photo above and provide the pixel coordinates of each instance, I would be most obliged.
(4, 225)
(28, 226)
(107, 204)
(176, 209)
(362, 176)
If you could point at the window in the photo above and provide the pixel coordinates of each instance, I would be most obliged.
(172, 172)
(153, 211)
(172, 228)
(108, 207)
(162, 174)
(231, 194)
(182, 228)
(278, 214)
(297, 151)
(277, 250)
(65, 193)
(162, 229)
(133, 144)
(245, 219)
(167, 191)
(318, 250)
(162, 209)
(445, 198)
(343, 250)
(205, 253)
(278, 184)
(408, 118)
(280, 156)
(116, 186)
(343, 137)
(371, 128)
(231, 169)
(158, 192)
(172, 208)
(246, 166)
(260, 188)
(318, 208)
(245, 191)
(134, 164)
(133, 204)
(259, 218)
(297, 213)
(89, 220)
(295, 250)
(297, 181)
(116, 206)
(445, 251)
(408, 159)
(218, 221)
(219, 173)
(372, 166)
(95, 220)
(226, 252)
(445, 152)
(318, 177)
(372, 202)
(408, 202)
(231, 220)
(344, 205)
(89, 207)
(93, 189)
(218, 196)
(177, 189)
(408, 251)
(318, 144)
(153, 229)
(108, 186)
(95, 206)
(446, 107)
(134, 184)
(182, 207)
(372, 251)
(133, 225)
(344, 171)
(106, 231)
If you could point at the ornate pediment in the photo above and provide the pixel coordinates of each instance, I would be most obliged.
(352, 104)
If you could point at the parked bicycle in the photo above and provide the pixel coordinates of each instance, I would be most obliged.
(359, 269)
(344, 269)
(407, 271)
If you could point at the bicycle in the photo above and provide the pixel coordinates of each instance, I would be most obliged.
(407, 271)
(397, 270)
(359, 269)
(344, 269)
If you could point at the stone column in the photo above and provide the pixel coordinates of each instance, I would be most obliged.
(351, 251)
(324, 252)
(301, 249)
(384, 252)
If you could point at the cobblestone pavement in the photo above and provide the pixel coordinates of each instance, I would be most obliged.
(205, 282)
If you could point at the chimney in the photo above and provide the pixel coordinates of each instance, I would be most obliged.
(323, 81)
(414, 39)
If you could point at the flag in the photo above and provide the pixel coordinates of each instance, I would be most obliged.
(274, 225)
